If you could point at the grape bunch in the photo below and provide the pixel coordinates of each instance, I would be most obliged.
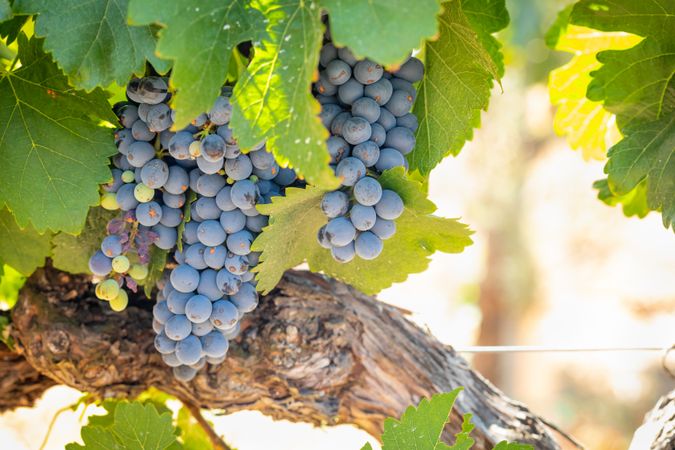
(194, 193)
(367, 111)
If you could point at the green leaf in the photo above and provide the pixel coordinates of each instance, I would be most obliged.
(487, 17)
(367, 446)
(199, 37)
(653, 17)
(463, 439)
(366, 27)
(192, 435)
(25, 250)
(53, 153)
(72, 252)
(5, 10)
(634, 203)
(273, 99)
(647, 152)
(295, 220)
(637, 83)
(503, 445)
(456, 87)
(155, 269)
(135, 427)
(92, 42)
(420, 428)
(11, 282)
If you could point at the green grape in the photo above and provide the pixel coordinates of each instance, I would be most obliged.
(107, 289)
(195, 149)
(120, 264)
(128, 176)
(138, 271)
(120, 302)
(143, 194)
(109, 201)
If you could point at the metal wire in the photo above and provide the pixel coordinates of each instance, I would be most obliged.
(551, 349)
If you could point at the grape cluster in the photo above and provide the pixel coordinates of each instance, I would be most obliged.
(367, 111)
(194, 193)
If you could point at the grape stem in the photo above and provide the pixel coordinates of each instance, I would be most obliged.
(216, 441)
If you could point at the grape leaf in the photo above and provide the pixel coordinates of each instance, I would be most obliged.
(366, 27)
(199, 37)
(25, 250)
(295, 220)
(420, 428)
(192, 435)
(92, 42)
(11, 282)
(273, 98)
(456, 87)
(634, 203)
(52, 151)
(135, 427)
(585, 123)
(5, 10)
(72, 252)
(155, 269)
(487, 17)
(646, 152)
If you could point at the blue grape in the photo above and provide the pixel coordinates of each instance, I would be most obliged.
(244, 194)
(338, 72)
(176, 301)
(379, 91)
(213, 148)
(224, 314)
(400, 103)
(165, 137)
(209, 167)
(257, 223)
(343, 254)
(334, 204)
(250, 212)
(350, 170)
(171, 361)
(362, 217)
(214, 344)
(367, 108)
(346, 55)
(166, 236)
(121, 162)
(338, 148)
(246, 298)
(202, 329)
(233, 332)
(190, 233)
(236, 264)
(116, 182)
(159, 118)
(387, 119)
(324, 86)
(390, 158)
(403, 85)
(127, 114)
(200, 120)
(379, 135)
(178, 327)
(240, 242)
(412, 70)
(100, 264)
(383, 228)
(140, 153)
(123, 139)
(194, 256)
(149, 213)
(409, 121)
(224, 200)
(179, 145)
(400, 138)
(214, 257)
(141, 132)
(221, 112)
(328, 53)
(143, 110)
(111, 246)
(390, 206)
(228, 282)
(322, 239)
(239, 168)
(368, 72)
(171, 217)
(261, 159)
(356, 130)
(340, 231)
(208, 286)
(184, 373)
(198, 309)
(157, 327)
(207, 208)
(286, 177)
(368, 246)
(155, 174)
(350, 91)
(232, 221)
(367, 152)
(177, 181)
(163, 344)
(151, 90)
(328, 113)
(189, 350)
(225, 132)
(210, 233)
(339, 122)
(184, 278)
(161, 312)
(216, 361)
(247, 276)
(367, 191)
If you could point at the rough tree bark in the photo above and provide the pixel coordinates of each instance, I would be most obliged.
(658, 430)
(314, 351)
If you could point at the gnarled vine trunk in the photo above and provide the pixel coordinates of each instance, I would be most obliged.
(314, 351)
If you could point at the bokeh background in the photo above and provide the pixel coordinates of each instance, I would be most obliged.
(551, 266)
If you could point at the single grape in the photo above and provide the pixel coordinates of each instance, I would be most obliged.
(400, 138)
(240, 242)
(151, 90)
(368, 72)
(111, 246)
(120, 302)
(109, 201)
(328, 113)
(178, 327)
(343, 254)
(176, 301)
(189, 350)
(208, 286)
(173, 200)
(140, 153)
(184, 373)
(198, 308)
(261, 159)
(322, 239)
(207, 208)
(334, 204)
(224, 200)
(412, 70)
(100, 264)
(149, 214)
(141, 132)
(107, 289)
(202, 329)
(210, 233)
(143, 110)
(350, 91)
(244, 194)
(340, 231)
(214, 257)
(127, 114)
(155, 173)
(367, 108)
(190, 233)
(346, 55)
(362, 217)
(143, 193)
(328, 53)
(400, 103)
(390, 158)
(171, 361)
(194, 256)
(225, 132)
(232, 333)
(390, 206)
(214, 344)
(246, 298)
(213, 148)
(323, 86)
(221, 112)
(380, 91)
(179, 145)
(224, 314)
(367, 152)
(157, 327)
(227, 282)
(350, 170)
(368, 246)
(239, 168)
(161, 312)
(257, 223)
(403, 85)
(236, 264)
(166, 236)
(165, 137)
(184, 278)
(378, 134)
(232, 221)
(387, 119)
(338, 148)
(163, 344)
(128, 176)
(138, 271)
(338, 72)
(409, 121)
(367, 191)
(120, 264)
(339, 122)
(115, 183)
(171, 217)
(209, 167)
(383, 228)
(356, 130)
(159, 118)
